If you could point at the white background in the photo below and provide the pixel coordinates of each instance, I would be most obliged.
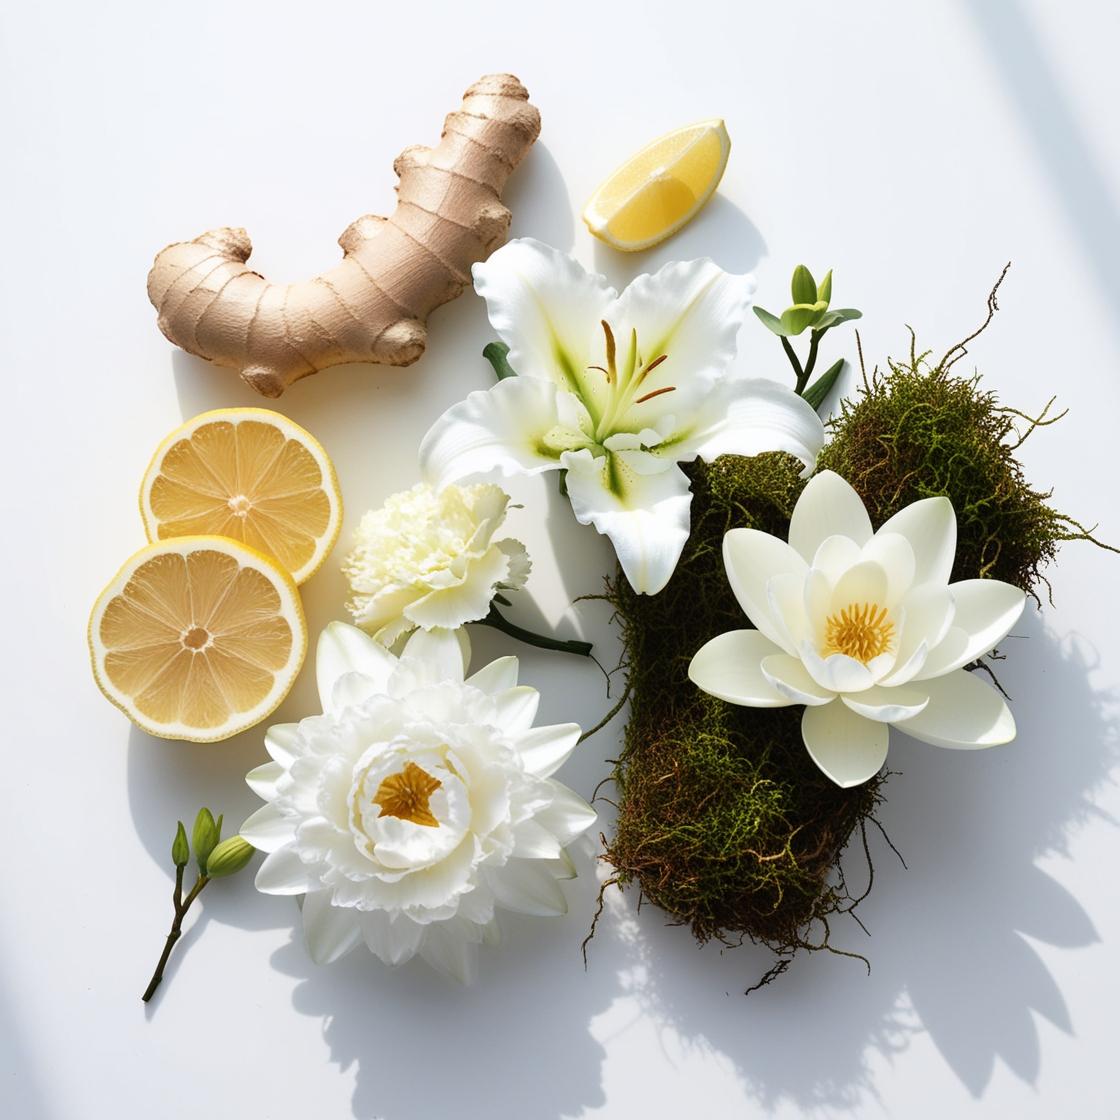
(913, 148)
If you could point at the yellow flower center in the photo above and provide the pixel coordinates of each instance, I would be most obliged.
(861, 630)
(406, 795)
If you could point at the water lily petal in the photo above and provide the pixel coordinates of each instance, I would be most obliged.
(690, 311)
(568, 815)
(785, 596)
(546, 308)
(283, 872)
(496, 677)
(524, 886)
(392, 938)
(346, 649)
(330, 931)
(986, 609)
(835, 555)
(963, 713)
(888, 705)
(837, 672)
(730, 667)
(517, 708)
(925, 616)
(640, 503)
(268, 829)
(863, 583)
(283, 743)
(790, 677)
(892, 552)
(448, 948)
(848, 748)
(930, 525)
(531, 840)
(828, 506)
(752, 558)
(743, 416)
(500, 428)
(262, 780)
(432, 657)
(544, 750)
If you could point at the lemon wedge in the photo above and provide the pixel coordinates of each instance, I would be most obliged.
(658, 190)
(249, 474)
(197, 638)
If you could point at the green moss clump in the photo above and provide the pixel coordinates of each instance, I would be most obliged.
(723, 819)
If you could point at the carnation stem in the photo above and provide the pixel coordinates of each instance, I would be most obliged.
(182, 905)
(499, 622)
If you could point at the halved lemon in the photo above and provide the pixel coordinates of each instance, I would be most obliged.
(658, 190)
(197, 638)
(249, 474)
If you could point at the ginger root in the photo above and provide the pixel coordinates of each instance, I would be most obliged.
(373, 306)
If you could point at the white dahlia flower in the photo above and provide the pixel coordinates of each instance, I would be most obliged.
(864, 629)
(429, 560)
(417, 803)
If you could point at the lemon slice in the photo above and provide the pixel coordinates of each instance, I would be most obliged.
(249, 474)
(656, 191)
(197, 638)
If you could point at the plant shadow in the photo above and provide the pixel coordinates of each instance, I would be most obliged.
(950, 939)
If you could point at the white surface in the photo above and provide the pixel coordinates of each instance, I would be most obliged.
(914, 148)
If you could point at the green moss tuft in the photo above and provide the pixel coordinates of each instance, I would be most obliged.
(723, 819)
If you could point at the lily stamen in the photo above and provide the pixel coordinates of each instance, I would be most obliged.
(611, 352)
(647, 370)
(656, 393)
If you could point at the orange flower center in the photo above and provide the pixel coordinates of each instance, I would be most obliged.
(861, 630)
(406, 794)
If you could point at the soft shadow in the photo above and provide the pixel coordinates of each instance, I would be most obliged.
(951, 939)
(538, 198)
(1050, 120)
(720, 231)
(517, 1043)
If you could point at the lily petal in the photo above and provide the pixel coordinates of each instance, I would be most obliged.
(930, 525)
(546, 308)
(745, 416)
(730, 667)
(986, 609)
(752, 558)
(643, 512)
(848, 748)
(500, 428)
(963, 713)
(346, 649)
(828, 506)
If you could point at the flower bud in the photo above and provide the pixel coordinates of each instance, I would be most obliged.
(229, 857)
(204, 837)
(180, 849)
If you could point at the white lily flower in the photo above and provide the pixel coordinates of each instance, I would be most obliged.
(864, 629)
(416, 803)
(617, 390)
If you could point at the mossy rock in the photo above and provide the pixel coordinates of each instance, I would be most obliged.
(724, 821)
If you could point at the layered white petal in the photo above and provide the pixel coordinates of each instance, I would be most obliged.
(746, 416)
(838, 672)
(517, 708)
(393, 938)
(465, 601)
(985, 610)
(789, 676)
(847, 747)
(283, 743)
(330, 931)
(346, 649)
(963, 713)
(888, 705)
(262, 780)
(524, 886)
(498, 676)
(752, 558)
(828, 506)
(268, 829)
(730, 667)
(545, 308)
(449, 948)
(283, 872)
(502, 428)
(435, 656)
(567, 815)
(930, 525)
(892, 552)
(544, 750)
(640, 503)
(926, 615)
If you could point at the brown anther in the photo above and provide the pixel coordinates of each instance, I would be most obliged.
(647, 370)
(656, 393)
(611, 351)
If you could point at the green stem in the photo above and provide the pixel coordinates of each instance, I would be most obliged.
(499, 622)
(793, 359)
(181, 907)
(803, 379)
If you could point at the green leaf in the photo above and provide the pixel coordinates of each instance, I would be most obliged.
(496, 353)
(801, 315)
(820, 388)
(834, 318)
(180, 849)
(229, 857)
(804, 287)
(771, 322)
(204, 837)
(824, 288)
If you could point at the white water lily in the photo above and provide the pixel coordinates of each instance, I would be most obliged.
(864, 629)
(429, 560)
(417, 803)
(617, 390)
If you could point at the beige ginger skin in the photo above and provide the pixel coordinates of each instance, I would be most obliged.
(373, 306)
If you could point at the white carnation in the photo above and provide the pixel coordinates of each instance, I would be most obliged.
(416, 803)
(428, 560)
